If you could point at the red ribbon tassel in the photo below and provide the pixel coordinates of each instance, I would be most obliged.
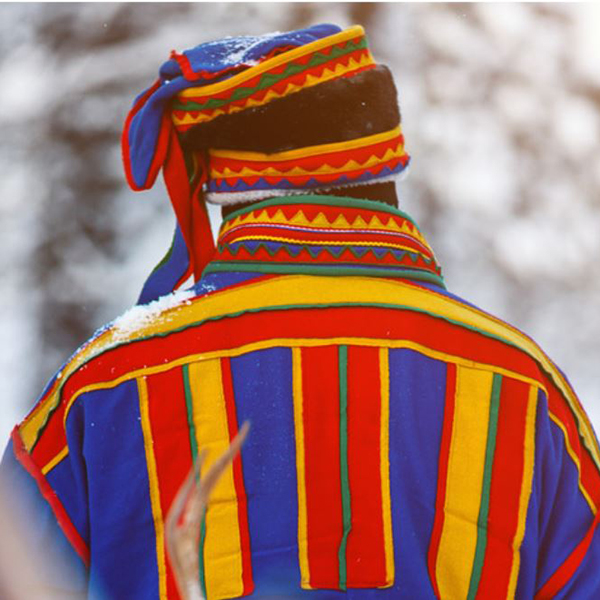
(190, 207)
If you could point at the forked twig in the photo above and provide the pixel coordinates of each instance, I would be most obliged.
(182, 526)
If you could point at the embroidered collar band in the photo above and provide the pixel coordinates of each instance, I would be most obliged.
(325, 235)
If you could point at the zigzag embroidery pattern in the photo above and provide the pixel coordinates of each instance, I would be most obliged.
(323, 222)
(268, 79)
(341, 240)
(312, 70)
(339, 253)
(288, 183)
(269, 256)
(325, 237)
(361, 159)
(295, 170)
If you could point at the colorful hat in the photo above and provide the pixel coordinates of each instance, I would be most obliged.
(211, 85)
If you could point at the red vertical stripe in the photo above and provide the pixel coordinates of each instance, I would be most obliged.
(505, 493)
(51, 497)
(238, 478)
(172, 452)
(438, 523)
(365, 555)
(320, 388)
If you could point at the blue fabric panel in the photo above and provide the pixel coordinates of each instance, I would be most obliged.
(123, 556)
(586, 580)
(417, 397)
(40, 528)
(262, 383)
(168, 272)
(564, 517)
(215, 57)
(68, 480)
(218, 281)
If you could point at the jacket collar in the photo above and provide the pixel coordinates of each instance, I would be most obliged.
(324, 235)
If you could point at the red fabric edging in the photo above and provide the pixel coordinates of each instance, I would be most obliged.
(442, 475)
(564, 573)
(49, 494)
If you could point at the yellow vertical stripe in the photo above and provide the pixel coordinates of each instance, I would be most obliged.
(300, 468)
(52, 463)
(464, 482)
(154, 489)
(528, 457)
(386, 507)
(222, 546)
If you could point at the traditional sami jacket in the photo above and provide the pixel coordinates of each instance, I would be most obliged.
(403, 443)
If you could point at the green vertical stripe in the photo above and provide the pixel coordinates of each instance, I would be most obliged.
(194, 446)
(346, 511)
(484, 507)
(190, 410)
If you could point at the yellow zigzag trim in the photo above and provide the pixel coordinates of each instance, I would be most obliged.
(322, 222)
(325, 169)
(206, 91)
(355, 144)
(310, 80)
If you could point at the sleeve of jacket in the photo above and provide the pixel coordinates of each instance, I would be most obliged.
(44, 480)
(566, 490)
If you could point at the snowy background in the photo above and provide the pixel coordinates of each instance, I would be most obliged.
(501, 111)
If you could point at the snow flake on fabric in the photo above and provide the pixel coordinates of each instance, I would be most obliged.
(145, 314)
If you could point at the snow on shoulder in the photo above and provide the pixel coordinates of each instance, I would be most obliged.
(140, 316)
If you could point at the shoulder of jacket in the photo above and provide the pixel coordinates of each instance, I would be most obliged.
(94, 363)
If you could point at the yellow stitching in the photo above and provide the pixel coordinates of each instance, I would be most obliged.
(575, 458)
(300, 467)
(528, 463)
(272, 238)
(53, 462)
(354, 144)
(384, 443)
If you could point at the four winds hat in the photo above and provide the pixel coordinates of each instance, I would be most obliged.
(245, 118)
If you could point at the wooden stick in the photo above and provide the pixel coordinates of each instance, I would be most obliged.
(182, 526)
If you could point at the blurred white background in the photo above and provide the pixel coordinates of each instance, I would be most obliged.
(501, 111)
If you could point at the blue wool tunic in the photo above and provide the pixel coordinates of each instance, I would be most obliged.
(403, 443)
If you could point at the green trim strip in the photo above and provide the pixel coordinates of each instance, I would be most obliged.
(322, 200)
(185, 370)
(340, 270)
(268, 80)
(190, 410)
(201, 544)
(344, 476)
(484, 508)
